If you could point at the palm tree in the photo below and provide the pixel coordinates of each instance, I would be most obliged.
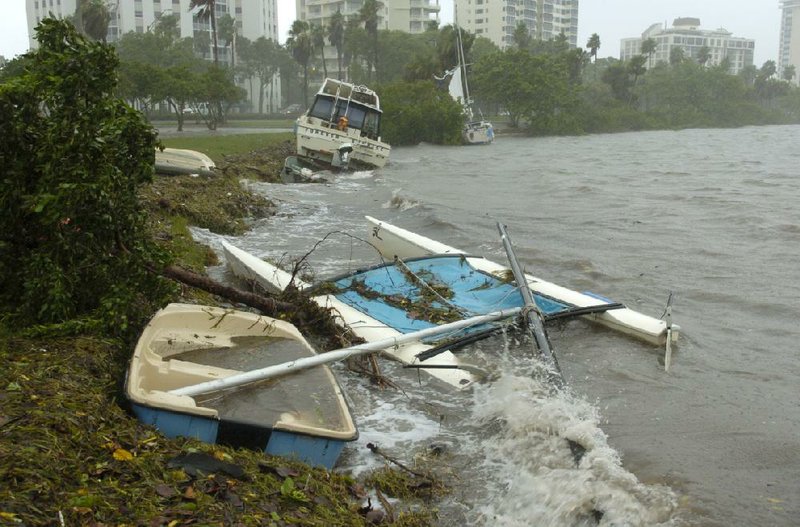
(788, 72)
(635, 67)
(300, 46)
(318, 42)
(336, 36)
(92, 18)
(369, 15)
(594, 45)
(649, 47)
(208, 11)
(521, 37)
(676, 55)
(768, 69)
(354, 44)
(703, 55)
(227, 31)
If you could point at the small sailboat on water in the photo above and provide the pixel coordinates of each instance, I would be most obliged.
(474, 132)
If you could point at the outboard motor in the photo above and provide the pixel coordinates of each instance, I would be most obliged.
(341, 158)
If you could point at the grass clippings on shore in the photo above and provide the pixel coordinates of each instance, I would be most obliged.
(70, 451)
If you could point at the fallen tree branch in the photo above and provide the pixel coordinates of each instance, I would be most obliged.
(375, 450)
(268, 306)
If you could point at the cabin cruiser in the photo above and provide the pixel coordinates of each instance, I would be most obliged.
(342, 128)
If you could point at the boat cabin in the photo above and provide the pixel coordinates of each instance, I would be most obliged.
(345, 106)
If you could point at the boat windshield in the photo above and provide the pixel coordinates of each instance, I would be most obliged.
(359, 117)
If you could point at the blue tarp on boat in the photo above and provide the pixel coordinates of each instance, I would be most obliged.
(394, 296)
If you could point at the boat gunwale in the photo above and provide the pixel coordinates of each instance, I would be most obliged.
(186, 405)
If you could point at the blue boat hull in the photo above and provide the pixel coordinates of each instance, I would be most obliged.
(312, 450)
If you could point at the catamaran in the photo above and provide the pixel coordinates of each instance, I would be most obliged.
(425, 284)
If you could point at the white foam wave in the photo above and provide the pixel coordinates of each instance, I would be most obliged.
(400, 202)
(533, 471)
(357, 174)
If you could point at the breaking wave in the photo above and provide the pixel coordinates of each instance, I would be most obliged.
(399, 202)
(547, 462)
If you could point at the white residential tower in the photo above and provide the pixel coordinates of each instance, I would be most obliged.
(789, 49)
(497, 19)
(686, 34)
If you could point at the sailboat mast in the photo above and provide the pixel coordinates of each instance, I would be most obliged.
(462, 62)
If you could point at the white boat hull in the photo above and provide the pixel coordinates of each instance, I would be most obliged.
(319, 142)
(393, 241)
(478, 133)
(176, 161)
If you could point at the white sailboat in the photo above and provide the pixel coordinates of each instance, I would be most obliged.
(474, 132)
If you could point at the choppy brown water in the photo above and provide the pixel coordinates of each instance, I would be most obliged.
(709, 214)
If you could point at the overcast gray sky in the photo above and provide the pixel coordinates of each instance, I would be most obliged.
(611, 19)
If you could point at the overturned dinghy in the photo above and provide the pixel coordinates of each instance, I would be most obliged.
(176, 161)
(300, 414)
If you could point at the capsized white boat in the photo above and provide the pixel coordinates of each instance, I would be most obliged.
(178, 161)
(342, 128)
(393, 241)
(302, 414)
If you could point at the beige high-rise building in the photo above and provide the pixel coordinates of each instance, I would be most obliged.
(789, 49)
(497, 19)
(409, 16)
(254, 19)
(686, 34)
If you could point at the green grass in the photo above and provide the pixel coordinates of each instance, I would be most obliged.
(260, 123)
(190, 121)
(216, 146)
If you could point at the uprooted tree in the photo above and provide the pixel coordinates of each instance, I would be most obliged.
(75, 251)
(74, 246)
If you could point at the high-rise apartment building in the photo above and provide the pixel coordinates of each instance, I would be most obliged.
(789, 49)
(686, 34)
(254, 19)
(497, 19)
(409, 16)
